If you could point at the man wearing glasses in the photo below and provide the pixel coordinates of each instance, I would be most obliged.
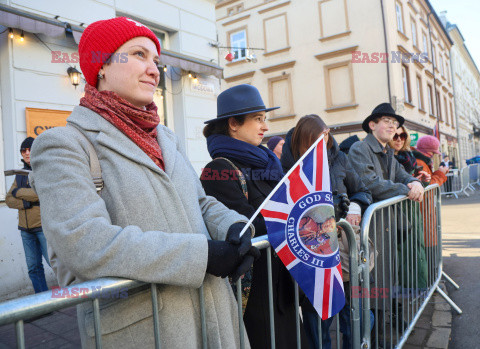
(383, 175)
(23, 198)
(374, 160)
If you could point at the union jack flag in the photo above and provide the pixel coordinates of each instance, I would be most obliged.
(300, 222)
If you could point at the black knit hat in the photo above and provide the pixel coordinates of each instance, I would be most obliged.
(27, 143)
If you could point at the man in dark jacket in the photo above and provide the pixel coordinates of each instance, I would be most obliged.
(23, 198)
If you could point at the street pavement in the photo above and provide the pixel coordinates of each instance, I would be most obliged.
(461, 260)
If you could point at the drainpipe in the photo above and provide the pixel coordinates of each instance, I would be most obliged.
(460, 158)
(386, 51)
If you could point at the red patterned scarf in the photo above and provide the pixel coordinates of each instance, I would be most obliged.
(140, 125)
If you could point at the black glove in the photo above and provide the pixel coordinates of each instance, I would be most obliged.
(252, 255)
(244, 242)
(340, 204)
(27, 204)
(224, 259)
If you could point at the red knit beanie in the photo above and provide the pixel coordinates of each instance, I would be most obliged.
(102, 38)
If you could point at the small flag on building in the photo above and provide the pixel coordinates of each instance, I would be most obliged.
(301, 227)
(435, 131)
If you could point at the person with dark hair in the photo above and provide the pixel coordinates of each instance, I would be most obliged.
(241, 175)
(275, 144)
(347, 143)
(345, 185)
(22, 197)
(150, 220)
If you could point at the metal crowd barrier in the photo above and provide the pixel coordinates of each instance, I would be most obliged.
(17, 310)
(408, 239)
(460, 181)
(474, 176)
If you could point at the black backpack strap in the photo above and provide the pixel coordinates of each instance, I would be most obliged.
(241, 176)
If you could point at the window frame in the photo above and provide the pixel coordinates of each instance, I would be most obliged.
(430, 99)
(231, 43)
(420, 97)
(400, 24)
(406, 83)
(413, 24)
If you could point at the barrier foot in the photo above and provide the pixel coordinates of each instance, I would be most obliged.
(449, 279)
(447, 298)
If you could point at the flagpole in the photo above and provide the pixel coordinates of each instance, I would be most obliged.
(278, 185)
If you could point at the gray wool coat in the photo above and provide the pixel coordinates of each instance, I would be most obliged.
(362, 156)
(146, 224)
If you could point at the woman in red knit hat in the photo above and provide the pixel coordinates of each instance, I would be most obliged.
(151, 220)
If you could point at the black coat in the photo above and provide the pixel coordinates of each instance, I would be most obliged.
(219, 181)
(343, 177)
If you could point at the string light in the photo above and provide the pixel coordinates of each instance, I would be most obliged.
(165, 68)
(10, 33)
(21, 37)
(195, 79)
(190, 75)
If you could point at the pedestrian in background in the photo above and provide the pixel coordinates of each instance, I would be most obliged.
(22, 197)
(275, 144)
(151, 221)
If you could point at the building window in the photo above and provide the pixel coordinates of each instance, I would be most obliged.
(280, 93)
(441, 65)
(406, 83)
(339, 85)
(448, 71)
(430, 99)
(447, 119)
(419, 92)
(238, 42)
(451, 115)
(414, 31)
(399, 11)
(439, 106)
(434, 54)
(425, 44)
(333, 15)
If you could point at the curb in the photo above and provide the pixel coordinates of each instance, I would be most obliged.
(434, 327)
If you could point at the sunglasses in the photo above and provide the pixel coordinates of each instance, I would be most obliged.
(402, 136)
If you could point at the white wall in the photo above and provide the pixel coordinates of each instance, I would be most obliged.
(29, 79)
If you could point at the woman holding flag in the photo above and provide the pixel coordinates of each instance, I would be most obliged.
(344, 181)
(241, 175)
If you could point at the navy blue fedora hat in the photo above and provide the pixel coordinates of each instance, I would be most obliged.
(239, 100)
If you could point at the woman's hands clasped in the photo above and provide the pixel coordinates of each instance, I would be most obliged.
(234, 256)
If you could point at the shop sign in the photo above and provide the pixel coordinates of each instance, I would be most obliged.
(39, 120)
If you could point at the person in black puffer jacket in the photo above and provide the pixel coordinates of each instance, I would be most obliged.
(344, 180)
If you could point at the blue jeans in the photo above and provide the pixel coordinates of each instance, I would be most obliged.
(35, 245)
(310, 323)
